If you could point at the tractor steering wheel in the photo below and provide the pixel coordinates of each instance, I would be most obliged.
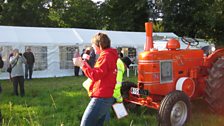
(190, 41)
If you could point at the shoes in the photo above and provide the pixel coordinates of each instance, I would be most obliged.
(28, 79)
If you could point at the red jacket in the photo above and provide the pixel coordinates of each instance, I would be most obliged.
(103, 75)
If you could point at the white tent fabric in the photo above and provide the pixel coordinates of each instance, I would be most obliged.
(52, 38)
(30, 35)
(118, 38)
(55, 40)
(85, 35)
(125, 39)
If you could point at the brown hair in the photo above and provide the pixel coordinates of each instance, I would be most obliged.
(101, 40)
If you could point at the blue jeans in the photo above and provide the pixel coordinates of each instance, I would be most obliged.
(96, 111)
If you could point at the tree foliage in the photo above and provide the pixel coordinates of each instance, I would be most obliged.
(22, 13)
(128, 15)
(59, 13)
(195, 18)
(216, 22)
(81, 13)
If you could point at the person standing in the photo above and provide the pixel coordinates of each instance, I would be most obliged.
(122, 65)
(30, 62)
(17, 73)
(1, 66)
(87, 54)
(76, 68)
(92, 59)
(103, 80)
(83, 52)
(121, 54)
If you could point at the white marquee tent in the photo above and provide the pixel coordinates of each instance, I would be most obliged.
(125, 39)
(53, 47)
(44, 42)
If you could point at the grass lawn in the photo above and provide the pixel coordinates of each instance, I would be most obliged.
(62, 101)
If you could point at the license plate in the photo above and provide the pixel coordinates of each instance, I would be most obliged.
(137, 91)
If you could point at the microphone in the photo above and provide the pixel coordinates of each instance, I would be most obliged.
(85, 57)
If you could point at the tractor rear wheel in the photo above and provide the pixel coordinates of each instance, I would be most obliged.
(215, 87)
(174, 109)
(126, 86)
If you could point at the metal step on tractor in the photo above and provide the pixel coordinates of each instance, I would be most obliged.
(169, 79)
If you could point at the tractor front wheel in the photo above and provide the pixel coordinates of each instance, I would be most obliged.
(174, 109)
(215, 87)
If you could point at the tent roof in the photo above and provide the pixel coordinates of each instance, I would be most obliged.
(121, 38)
(38, 35)
(118, 38)
(71, 36)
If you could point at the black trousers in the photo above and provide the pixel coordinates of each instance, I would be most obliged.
(28, 68)
(18, 80)
(76, 70)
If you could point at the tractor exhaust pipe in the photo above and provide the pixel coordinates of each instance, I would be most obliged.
(149, 40)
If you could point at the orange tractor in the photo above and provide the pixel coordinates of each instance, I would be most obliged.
(169, 79)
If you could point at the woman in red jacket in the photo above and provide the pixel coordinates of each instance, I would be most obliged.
(103, 80)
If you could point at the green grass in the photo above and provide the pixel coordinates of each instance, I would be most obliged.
(62, 101)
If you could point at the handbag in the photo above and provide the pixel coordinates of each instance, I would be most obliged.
(9, 69)
(1, 62)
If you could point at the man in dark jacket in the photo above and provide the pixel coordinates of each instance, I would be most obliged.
(92, 59)
(30, 62)
(1, 66)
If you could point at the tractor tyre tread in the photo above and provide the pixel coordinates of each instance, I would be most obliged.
(167, 104)
(215, 87)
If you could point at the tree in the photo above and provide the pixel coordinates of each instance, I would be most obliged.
(124, 15)
(81, 14)
(49, 13)
(216, 22)
(185, 17)
(195, 18)
(22, 13)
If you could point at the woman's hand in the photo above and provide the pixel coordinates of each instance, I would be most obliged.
(17, 55)
(78, 62)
